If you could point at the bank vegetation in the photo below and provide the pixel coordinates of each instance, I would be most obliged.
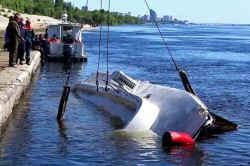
(52, 9)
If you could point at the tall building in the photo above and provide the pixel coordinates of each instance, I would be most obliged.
(129, 13)
(153, 15)
(85, 8)
(58, 2)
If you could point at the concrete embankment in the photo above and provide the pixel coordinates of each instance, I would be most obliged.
(14, 82)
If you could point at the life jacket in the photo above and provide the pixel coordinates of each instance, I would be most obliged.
(54, 40)
(28, 28)
(30, 34)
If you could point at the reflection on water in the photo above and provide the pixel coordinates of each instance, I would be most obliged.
(63, 144)
(144, 139)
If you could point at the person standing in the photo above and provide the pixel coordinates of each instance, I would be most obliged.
(30, 35)
(15, 36)
(7, 35)
(21, 46)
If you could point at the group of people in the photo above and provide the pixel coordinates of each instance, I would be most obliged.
(19, 37)
(40, 44)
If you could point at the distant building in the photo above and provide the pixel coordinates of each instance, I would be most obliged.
(153, 15)
(166, 18)
(85, 8)
(159, 19)
(119, 14)
(145, 18)
(122, 14)
(56, 2)
(129, 13)
(115, 13)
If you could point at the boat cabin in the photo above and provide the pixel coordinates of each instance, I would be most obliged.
(65, 33)
(65, 41)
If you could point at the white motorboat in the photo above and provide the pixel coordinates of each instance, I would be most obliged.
(65, 42)
(143, 105)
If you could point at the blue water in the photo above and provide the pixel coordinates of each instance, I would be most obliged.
(217, 61)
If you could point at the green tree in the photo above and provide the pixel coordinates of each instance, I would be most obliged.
(55, 9)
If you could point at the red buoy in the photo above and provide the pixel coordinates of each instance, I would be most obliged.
(176, 138)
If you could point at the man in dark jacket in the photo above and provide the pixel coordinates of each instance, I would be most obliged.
(7, 35)
(30, 36)
(15, 36)
(21, 46)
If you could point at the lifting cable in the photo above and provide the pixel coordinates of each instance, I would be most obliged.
(107, 79)
(100, 36)
(67, 88)
(99, 56)
(182, 73)
(154, 19)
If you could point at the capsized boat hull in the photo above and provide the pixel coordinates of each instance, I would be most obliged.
(142, 105)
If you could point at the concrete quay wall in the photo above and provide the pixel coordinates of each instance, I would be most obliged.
(14, 82)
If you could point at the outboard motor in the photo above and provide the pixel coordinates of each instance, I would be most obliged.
(68, 51)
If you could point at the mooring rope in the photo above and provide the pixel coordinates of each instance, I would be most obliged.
(154, 19)
(67, 88)
(99, 55)
(72, 60)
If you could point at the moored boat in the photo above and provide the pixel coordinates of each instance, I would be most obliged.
(65, 42)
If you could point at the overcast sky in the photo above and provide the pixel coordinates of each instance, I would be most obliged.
(198, 11)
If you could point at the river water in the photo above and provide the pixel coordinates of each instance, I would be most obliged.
(217, 61)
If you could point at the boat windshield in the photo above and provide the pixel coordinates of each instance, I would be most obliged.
(67, 34)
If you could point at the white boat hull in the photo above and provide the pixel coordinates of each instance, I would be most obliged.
(147, 106)
(56, 52)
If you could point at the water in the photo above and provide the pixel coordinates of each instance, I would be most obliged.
(217, 61)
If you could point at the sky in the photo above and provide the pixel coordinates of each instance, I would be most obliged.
(196, 11)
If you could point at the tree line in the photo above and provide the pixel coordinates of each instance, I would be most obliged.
(52, 9)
